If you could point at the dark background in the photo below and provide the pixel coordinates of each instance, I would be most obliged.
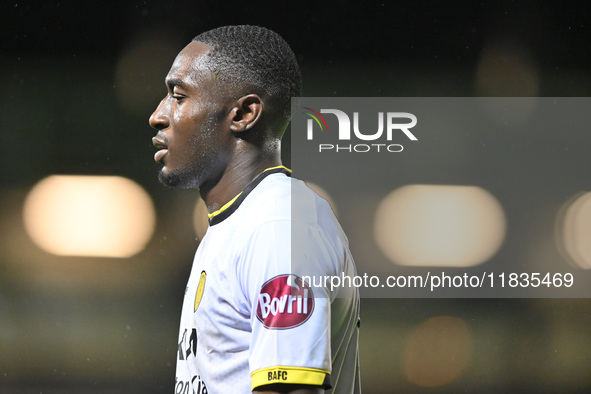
(78, 83)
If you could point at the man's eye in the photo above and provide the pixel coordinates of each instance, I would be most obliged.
(177, 97)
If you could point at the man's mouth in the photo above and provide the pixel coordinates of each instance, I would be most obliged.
(162, 149)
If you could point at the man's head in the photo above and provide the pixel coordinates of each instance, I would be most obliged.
(252, 59)
(229, 92)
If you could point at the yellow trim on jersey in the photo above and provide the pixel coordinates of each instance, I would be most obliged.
(226, 205)
(272, 168)
(288, 375)
(222, 209)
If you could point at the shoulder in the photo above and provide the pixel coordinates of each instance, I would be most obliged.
(271, 199)
(281, 197)
(281, 207)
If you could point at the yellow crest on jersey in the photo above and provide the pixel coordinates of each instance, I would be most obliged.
(200, 288)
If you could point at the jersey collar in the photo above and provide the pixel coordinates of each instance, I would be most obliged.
(232, 205)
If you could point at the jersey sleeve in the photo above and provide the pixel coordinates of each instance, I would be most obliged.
(290, 321)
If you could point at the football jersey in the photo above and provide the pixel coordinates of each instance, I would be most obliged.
(248, 318)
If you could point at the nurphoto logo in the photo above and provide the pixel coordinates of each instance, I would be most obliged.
(389, 123)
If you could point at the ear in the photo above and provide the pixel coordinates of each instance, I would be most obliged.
(246, 113)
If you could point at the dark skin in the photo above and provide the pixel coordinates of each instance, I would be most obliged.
(200, 129)
(216, 138)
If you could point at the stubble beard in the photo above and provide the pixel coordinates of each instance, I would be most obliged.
(188, 179)
(169, 180)
(195, 173)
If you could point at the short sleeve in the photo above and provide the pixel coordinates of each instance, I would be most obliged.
(290, 321)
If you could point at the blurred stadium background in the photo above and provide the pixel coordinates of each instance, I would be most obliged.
(100, 314)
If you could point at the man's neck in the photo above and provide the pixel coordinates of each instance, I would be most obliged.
(235, 178)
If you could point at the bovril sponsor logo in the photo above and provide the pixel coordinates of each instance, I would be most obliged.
(285, 301)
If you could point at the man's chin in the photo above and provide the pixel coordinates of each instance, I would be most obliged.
(168, 179)
(172, 180)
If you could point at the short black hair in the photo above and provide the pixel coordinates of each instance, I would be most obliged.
(255, 57)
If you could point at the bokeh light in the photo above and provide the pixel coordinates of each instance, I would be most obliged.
(573, 230)
(200, 219)
(105, 216)
(436, 225)
(505, 70)
(140, 72)
(324, 194)
(437, 351)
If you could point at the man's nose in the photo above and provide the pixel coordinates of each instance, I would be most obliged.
(160, 119)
